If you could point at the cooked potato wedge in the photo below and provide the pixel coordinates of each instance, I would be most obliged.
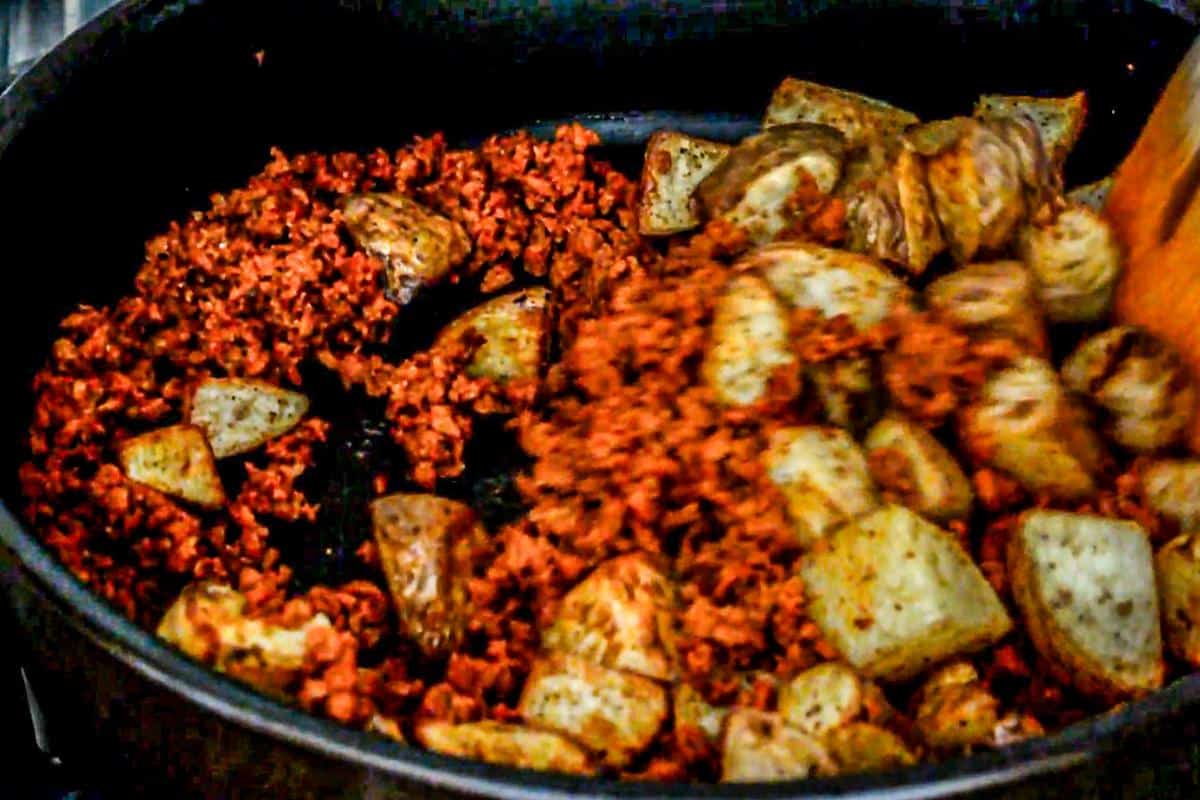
(759, 746)
(1093, 195)
(1075, 261)
(752, 185)
(940, 490)
(863, 747)
(208, 622)
(894, 593)
(427, 546)
(822, 698)
(954, 711)
(1024, 424)
(673, 167)
(692, 709)
(833, 282)
(1177, 565)
(858, 117)
(510, 745)
(516, 330)
(850, 396)
(824, 477)
(1172, 488)
(176, 461)
(1059, 119)
(613, 714)
(992, 299)
(1085, 586)
(619, 616)
(238, 415)
(749, 342)
(418, 246)
(1140, 383)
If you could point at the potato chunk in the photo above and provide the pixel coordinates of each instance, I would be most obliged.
(863, 747)
(1024, 424)
(418, 246)
(758, 746)
(824, 477)
(1172, 488)
(1085, 586)
(939, 489)
(619, 616)
(208, 622)
(992, 299)
(895, 593)
(752, 185)
(674, 165)
(240, 414)
(822, 698)
(858, 117)
(1059, 119)
(830, 281)
(1076, 261)
(847, 389)
(975, 178)
(890, 216)
(516, 330)
(749, 342)
(510, 745)
(1177, 565)
(1093, 195)
(427, 546)
(692, 709)
(613, 714)
(176, 461)
(954, 710)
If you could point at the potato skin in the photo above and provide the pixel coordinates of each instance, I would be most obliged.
(994, 299)
(1177, 565)
(1076, 261)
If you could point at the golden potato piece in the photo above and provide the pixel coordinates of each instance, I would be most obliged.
(858, 117)
(850, 396)
(1177, 565)
(1075, 261)
(992, 299)
(418, 246)
(1172, 488)
(975, 178)
(426, 546)
(748, 343)
(619, 616)
(758, 746)
(1093, 195)
(1024, 424)
(824, 477)
(238, 415)
(510, 745)
(863, 747)
(1140, 383)
(1059, 119)
(831, 281)
(208, 622)
(176, 461)
(752, 186)
(1085, 586)
(613, 714)
(674, 165)
(516, 330)
(954, 710)
(822, 698)
(692, 709)
(895, 593)
(940, 490)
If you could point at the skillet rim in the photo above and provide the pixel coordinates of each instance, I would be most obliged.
(233, 703)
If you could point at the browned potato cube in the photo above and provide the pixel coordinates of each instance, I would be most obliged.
(748, 342)
(515, 328)
(939, 488)
(175, 461)
(673, 167)
(863, 747)
(510, 745)
(241, 414)
(1177, 566)
(993, 299)
(1059, 119)
(1076, 261)
(758, 746)
(954, 710)
(1172, 488)
(858, 117)
(822, 698)
(692, 709)
(427, 546)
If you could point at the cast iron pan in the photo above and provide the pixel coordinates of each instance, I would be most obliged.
(137, 117)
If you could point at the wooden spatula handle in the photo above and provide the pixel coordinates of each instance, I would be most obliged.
(1154, 207)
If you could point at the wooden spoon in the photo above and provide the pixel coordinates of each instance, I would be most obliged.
(1154, 207)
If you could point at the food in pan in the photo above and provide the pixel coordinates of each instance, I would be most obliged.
(803, 455)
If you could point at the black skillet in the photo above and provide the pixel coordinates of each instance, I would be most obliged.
(138, 116)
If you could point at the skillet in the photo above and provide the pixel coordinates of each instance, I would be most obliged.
(141, 114)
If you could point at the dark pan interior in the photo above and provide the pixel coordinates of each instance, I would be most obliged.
(172, 104)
